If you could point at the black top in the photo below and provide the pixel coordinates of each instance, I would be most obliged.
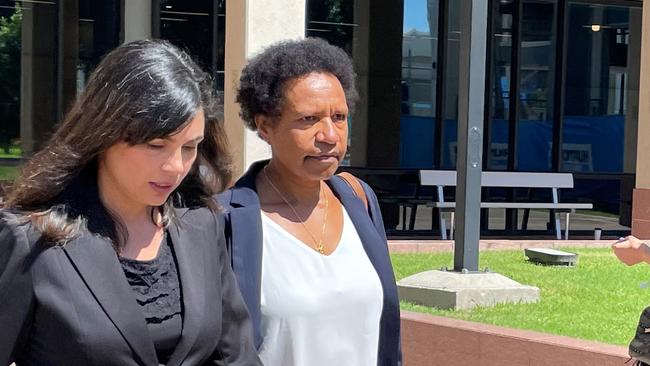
(157, 289)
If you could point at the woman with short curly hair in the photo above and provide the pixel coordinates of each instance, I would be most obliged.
(308, 247)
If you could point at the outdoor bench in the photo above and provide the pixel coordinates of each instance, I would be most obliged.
(553, 181)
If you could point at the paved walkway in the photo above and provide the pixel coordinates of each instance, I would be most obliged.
(581, 220)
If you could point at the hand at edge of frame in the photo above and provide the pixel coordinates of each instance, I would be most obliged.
(630, 250)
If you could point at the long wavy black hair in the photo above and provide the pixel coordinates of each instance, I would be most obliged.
(140, 91)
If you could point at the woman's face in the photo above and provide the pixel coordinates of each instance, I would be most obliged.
(309, 138)
(145, 174)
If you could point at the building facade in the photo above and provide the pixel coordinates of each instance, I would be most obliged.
(564, 81)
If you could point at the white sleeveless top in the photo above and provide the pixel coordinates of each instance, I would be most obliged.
(316, 309)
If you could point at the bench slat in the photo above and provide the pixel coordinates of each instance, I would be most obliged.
(521, 205)
(501, 179)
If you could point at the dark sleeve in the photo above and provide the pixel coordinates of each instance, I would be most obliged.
(377, 220)
(235, 346)
(16, 291)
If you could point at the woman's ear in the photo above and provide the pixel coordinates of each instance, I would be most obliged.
(264, 125)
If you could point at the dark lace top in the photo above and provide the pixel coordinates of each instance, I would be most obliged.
(157, 289)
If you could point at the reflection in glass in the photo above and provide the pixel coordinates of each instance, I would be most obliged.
(536, 86)
(418, 86)
(450, 108)
(597, 88)
(499, 89)
(29, 94)
(99, 32)
(11, 17)
(198, 28)
(332, 20)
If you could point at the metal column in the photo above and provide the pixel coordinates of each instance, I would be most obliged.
(473, 41)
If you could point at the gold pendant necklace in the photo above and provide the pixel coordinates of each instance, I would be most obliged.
(320, 247)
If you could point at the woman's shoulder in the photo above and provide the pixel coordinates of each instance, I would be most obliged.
(198, 216)
(237, 196)
(17, 222)
(17, 236)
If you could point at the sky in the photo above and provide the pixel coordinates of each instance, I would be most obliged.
(415, 15)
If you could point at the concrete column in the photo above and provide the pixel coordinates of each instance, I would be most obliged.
(137, 20)
(252, 25)
(38, 87)
(641, 196)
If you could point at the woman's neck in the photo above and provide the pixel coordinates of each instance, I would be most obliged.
(293, 188)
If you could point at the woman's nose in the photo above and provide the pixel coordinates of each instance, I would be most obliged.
(327, 131)
(175, 162)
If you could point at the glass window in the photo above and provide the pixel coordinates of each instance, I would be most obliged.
(11, 16)
(332, 20)
(99, 33)
(198, 27)
(499, 89)
(418, 85)
(29, 101)
(597, 86)
(536, 85)
(450, 97)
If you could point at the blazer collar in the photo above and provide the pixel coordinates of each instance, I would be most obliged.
(191, 270)
(96, 261)
(244, 190)
(372, 240)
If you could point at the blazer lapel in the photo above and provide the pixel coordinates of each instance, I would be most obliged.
(97, 263)
(191, 271)
(370, 238)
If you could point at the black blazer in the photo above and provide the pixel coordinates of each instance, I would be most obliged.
(72, 305)
(243, 227)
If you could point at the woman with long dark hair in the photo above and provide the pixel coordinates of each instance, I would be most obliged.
(107, 239)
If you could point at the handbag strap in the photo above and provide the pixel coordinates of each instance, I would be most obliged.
(355, 185)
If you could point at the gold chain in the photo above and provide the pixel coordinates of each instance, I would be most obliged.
(320, 248)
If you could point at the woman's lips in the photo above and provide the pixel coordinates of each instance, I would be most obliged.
(326, 158)
(161, 188)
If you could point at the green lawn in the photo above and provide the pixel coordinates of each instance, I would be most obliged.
(14, 152)
(599, 300)
(8, 172)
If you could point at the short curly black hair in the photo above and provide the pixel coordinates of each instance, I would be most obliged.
(262, 80)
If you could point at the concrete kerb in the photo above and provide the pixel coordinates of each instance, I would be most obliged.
(440, 246)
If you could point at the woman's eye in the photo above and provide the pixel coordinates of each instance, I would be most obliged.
(189, 148)
(340, 117)
(310, 119)
(153, 145)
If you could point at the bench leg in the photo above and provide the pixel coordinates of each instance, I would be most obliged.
(566, 228)
(414, 212)
(443, 227)
(524, 219)
(558, 229)
(451, 225)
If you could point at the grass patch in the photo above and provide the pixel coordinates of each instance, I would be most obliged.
(14, 152)
(599, 300)
(8, 172)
